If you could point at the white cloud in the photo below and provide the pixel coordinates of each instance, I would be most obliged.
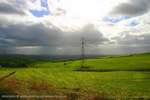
(35, 5)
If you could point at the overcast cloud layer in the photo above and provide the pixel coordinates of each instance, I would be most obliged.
(52, 27)
(133, 8)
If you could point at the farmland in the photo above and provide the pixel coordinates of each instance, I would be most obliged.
(125, 76)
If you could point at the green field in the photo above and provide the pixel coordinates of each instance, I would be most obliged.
(109, 76)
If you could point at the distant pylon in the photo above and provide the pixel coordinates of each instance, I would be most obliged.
(82, 52)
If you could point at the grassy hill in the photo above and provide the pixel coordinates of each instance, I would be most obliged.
(109, 76)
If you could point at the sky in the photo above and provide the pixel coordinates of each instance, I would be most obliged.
(56, 27)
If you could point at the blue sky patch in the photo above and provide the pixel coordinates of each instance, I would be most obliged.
(115, 19)
(39, 13)
(43, 12)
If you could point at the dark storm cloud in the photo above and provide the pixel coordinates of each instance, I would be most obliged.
(130, 40)
(133, 8)
(6, 8)
(40, 35)
(89, 33)
(28, 35)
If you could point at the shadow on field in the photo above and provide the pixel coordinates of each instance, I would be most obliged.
(90, 69)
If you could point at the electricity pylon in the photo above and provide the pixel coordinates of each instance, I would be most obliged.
(82, 53)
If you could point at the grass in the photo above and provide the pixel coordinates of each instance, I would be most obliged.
(118, 76)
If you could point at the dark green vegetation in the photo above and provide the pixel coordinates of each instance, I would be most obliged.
(117, 76)
(15, 61)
